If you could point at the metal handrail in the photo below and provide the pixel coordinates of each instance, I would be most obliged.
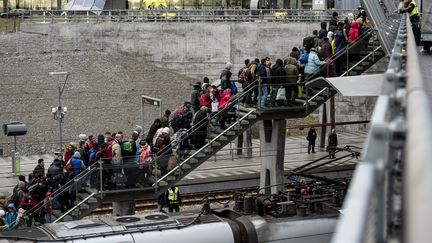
(204, 147)
(313, 97)
(72, 209)
(180, 14)
(359, 62)
(62, 189)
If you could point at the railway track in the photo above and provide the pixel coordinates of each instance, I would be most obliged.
(189, 199)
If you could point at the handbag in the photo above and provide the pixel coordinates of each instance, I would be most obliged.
(281, 94)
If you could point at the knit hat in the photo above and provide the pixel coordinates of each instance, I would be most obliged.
(77, 154)
(2, 213)
(228, 65)
(330, 35)
(166, 130)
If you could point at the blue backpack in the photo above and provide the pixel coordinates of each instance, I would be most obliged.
(233, 87)
(304, 58)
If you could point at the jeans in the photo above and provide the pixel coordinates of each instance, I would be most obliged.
(264, 94)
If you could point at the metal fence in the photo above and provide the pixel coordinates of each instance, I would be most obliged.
(167, 15)
(373, 209)
(386, 25)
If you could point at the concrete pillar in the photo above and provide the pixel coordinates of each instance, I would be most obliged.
(123, 208)
(323, 128)
(332, 112)
(248, 143)
(272, 142)
(240, 144)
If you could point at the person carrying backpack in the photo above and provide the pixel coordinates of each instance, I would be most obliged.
(225, 76)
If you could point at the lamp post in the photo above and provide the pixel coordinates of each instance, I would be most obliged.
(60, 111)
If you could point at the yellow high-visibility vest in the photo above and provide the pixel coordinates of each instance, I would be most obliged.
(415, 9)
(172, 195)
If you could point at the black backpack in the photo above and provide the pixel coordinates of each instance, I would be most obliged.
(309, 42)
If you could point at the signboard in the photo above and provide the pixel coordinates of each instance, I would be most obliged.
(150, 100)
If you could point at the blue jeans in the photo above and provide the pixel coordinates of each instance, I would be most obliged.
(264, 94)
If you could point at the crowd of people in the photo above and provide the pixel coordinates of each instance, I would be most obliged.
(130, 162)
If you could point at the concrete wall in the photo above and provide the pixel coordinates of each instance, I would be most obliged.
(193, 49)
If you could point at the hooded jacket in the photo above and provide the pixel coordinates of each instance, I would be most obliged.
(77, 163)
(291, 70)
(354, 32)
(313, 63)
(10, 217)
(323, 31)
(225, 98)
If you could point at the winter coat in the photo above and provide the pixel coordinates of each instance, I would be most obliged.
(116, 153)
(152, 132)
(225, 78)
(10, 217)
(353, 33)
(225, 98)
(195, 98)
(277, 74)
(323, 31)
(313, 64)
(77, 165)
(39, 171)
(340, 41)
(325, 50)
(311, 135)
(54, 169)
(291, 71)
(332, 140)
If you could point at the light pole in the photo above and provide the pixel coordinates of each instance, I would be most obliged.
(60, 111)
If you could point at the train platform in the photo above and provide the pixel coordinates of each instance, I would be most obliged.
(226, 168)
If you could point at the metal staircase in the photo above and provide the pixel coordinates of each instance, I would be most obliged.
(316, 91)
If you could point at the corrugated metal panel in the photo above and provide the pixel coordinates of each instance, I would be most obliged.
(347, 4)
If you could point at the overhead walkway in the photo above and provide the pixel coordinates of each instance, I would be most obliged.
(316, 91)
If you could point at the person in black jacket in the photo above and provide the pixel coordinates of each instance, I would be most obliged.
(152, 131)
(200, 123)
(225, 76)
(311, 137)
(278, 79)
(39, 170)
(195, 97)
(332, 144)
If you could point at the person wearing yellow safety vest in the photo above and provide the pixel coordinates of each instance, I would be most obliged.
(411, 8)
(173, 199)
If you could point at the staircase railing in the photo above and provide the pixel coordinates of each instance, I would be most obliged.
(73, 208)
(202, 149)
(64, 188)
(363, 59)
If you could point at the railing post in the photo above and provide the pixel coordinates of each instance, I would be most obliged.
(259, 94)
(156, 176)
(101, 178)
(347, 58)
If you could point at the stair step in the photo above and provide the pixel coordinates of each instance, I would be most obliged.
(171, 178)
(244, 122)
(67, 218)
(221, 138)
(230, 133)
(216, 144)
(75, 213)
(250, 116)
(186, 167)
(163, 183)
(193, 161)
(209, 149)
(82, 196)
(360, 68)
(236, 128)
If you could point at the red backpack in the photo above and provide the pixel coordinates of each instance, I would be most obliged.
(241, 75)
